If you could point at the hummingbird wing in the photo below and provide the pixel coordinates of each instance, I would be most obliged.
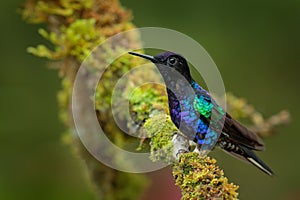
(214, 114)
(240, 134)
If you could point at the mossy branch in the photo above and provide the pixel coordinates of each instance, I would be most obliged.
(74, 28)
(199, 178)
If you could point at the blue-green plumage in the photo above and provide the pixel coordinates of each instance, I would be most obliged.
(192, 113)
(199, 117)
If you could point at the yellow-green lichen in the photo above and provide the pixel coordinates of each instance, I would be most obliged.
(145, 99)
(199, 178)
(161, 129)
(38, 11)
(77, 39)
(115, 70)
(63, 97)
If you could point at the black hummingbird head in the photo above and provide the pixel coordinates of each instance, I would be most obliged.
(166, 60)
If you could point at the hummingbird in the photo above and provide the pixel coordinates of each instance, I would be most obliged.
(199, 117)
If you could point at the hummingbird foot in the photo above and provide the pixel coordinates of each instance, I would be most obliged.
(180, 145)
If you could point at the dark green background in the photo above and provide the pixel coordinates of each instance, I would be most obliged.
(256, 46)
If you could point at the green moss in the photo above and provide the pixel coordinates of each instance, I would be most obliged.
(199, 178)
(146, 99)
(38, 11)
(77, 39)
(161, 129)
(115, 70)
(63, 97)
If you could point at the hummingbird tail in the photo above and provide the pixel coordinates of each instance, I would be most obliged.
(256, 161)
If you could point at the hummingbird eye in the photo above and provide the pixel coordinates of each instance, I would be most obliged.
(172, 61)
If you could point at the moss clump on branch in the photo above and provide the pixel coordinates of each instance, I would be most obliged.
(76, 39)
(199, 178)
(161, 129)
(146, 99)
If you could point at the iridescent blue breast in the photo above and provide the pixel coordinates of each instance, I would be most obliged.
(192, 116)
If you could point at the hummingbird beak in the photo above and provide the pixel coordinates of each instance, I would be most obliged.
(151, 58)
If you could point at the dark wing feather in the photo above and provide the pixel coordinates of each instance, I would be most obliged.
(241, 135)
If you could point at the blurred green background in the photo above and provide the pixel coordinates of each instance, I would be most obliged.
(255, 44)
